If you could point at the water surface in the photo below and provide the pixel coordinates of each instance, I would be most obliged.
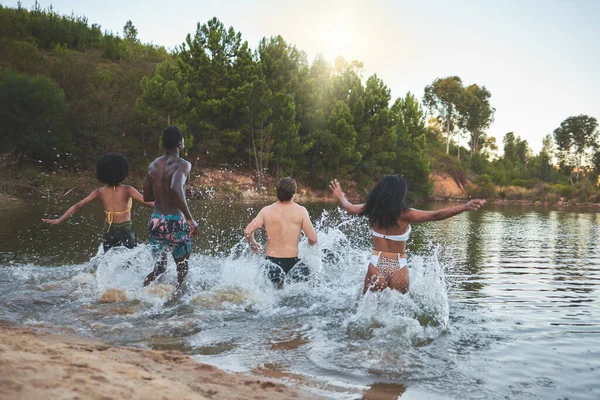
(503, 302)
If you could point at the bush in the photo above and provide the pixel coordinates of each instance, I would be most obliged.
(518, 193)
(567, 191)
(560, 189)
(584, 191)
(526, 183)
(31, 113)
(479, 163)
(483, 188)
(552, 198)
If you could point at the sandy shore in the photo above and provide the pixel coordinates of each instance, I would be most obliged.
(44, 366)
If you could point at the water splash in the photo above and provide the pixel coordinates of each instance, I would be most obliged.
(232, 316)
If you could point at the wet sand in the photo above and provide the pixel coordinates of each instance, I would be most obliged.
(37, 365)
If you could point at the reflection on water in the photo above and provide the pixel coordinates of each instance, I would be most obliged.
(503, 303)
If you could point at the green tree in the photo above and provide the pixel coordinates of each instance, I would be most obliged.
(488, 146)
(31, 114)
(377, 137)
(340, 153)
(282, 66)
(443, 98)
(596, 162)
(576, 142)
(258, 128)
(510, 146)
(477, 114)
(165, 95)
(546, 155)
(218, 65)
(522, 151)
(130, 32)
(411, 150)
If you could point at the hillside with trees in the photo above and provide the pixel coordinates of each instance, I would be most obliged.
(70, 92)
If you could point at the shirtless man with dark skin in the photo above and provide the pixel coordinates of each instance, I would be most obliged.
(171, 226)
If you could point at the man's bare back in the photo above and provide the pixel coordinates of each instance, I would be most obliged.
(283, 222)
(165, 175)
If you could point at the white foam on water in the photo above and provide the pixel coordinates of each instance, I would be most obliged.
(232, 314)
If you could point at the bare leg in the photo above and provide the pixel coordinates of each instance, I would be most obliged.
(159, 268)
(182, 269)
(399, 280)
(374, 281)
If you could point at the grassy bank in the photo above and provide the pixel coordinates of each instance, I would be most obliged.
(214, 183)
(240, 185)
(535, 191)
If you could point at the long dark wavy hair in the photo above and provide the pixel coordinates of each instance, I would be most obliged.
(386, 201)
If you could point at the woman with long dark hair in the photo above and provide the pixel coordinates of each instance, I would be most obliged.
(390, 219)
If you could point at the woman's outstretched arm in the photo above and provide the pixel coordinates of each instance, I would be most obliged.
(414, 215)
(336, 188)
(74, 208)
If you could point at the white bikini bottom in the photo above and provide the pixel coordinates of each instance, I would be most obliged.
(388, 263)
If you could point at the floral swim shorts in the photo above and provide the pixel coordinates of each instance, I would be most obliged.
(169, 233)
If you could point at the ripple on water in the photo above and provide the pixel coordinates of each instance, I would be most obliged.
(505, 306)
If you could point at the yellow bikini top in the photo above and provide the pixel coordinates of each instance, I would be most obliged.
(110, 214)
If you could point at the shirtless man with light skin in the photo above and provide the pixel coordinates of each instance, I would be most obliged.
(283, 221)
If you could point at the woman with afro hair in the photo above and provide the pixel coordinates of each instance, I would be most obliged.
(112, 169)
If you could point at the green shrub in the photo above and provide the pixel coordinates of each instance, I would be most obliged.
(527, 183)
(483, 187)
(552, 198)
(584, 191)
(479, 163)
(518, 193)
(567, 191)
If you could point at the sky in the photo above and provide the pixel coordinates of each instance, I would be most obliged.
(539, 59)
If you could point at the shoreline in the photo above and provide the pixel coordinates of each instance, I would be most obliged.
(40, 365)
(560, 205)
(227, 184)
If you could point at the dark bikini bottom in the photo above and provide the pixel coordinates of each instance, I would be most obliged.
(118, 235)
(279, 268)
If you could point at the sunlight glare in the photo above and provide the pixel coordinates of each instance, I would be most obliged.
(338, 41)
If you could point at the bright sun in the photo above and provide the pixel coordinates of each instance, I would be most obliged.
(338, 41)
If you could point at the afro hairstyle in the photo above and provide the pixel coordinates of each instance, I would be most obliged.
(112, 168)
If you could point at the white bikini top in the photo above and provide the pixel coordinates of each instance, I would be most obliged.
(396, 238)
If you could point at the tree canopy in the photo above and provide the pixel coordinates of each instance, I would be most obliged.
(70, 92)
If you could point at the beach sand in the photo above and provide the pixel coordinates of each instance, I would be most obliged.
(36, 365)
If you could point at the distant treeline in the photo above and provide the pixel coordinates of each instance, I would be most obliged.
(69, 92)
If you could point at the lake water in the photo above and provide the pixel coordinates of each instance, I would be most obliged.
(503, 302)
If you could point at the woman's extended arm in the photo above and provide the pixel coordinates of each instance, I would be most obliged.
(414, 215)
(341, 197)
(137, 196)
(74, 208)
